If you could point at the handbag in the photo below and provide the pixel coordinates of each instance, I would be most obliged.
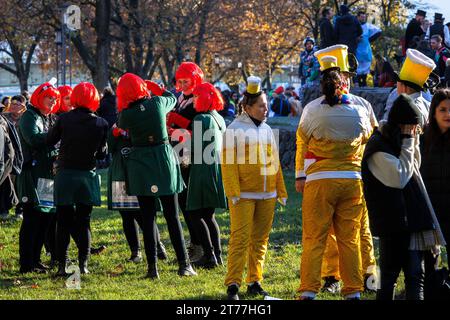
(45, 192)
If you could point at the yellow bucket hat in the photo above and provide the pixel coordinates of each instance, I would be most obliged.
(340, 51)
(417, 70)
(328, 62)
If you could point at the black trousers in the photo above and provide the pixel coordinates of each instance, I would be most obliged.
(170, 209)
(32, 236)
(73, 220)
(208, 231)
(394, 257)
(50, 237)
(131, 222)
(182, 200)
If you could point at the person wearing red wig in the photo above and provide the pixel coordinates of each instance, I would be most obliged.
(151, 164)
(36, 170)
(188, 76)
(205, 187)
(82, 136)
(64, 105)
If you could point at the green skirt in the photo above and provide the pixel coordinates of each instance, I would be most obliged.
(153, 171)
(77, 186)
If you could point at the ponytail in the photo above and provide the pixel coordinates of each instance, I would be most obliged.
(331, 84)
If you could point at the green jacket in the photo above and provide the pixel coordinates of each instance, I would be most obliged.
(205, 187)
(151, 167)
(38, 157)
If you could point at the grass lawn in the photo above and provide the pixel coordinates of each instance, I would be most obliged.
(113, 278)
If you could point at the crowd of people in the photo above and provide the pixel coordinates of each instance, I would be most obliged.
(172, 151)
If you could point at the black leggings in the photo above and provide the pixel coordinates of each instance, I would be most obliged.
(75, 221)
(35, 225)
(130, 222)
(208, 231)
(188, 218)
(394, 257)
(170, 210)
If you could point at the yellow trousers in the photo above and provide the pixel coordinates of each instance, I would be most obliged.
(337, 203)
(250, 225)
(330, 264)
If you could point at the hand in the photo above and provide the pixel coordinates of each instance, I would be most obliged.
(410, 129)
(300, 185)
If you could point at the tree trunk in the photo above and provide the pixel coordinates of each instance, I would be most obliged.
(102, 23)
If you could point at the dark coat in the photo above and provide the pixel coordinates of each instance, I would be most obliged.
(435, 170)
(413, 29)
(326, 29)
(108, 109)
(347, 29)
(392, 210)
(83, 139)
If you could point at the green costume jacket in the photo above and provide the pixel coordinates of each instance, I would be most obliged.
(151, 167)
(205, 187)
(38, 157)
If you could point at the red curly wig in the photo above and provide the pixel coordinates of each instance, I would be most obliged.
(208, 98)
(129, 89)
(85, 95)
(43, 91)
(189, 70)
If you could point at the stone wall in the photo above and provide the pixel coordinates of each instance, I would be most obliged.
(287, 126)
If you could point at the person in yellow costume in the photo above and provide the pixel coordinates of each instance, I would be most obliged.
(253, 181)
(330, 138)
(330, 266)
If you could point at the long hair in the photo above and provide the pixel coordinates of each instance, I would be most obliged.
(432, 131)
(330, 83)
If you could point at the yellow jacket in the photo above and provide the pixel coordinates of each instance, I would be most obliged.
(330, 140)
(251, 167)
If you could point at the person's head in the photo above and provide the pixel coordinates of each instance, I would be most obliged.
(403, 112)
(439, 116)
(344, 9)
(188, 76)
(45, 98)
(235, 96)
(362, 17)
(18, 105)
(130, 88)
(308, 43)
(420, 15)
(436, 42)
(255, 106)
(438, 18)
(327, 13)
(64, 105)
(426, 23)
(6, 101)
(404, 88)
(330, 84)
(85, 95)
(207, 98)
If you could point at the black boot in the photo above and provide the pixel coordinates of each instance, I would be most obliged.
(206, 262)
(62, 270)
(161, 251)
(83, 263)
(152, 272)
(232, 292)
(186, 270)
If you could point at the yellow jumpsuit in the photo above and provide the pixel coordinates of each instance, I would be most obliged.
(253, 181)
(330, 143)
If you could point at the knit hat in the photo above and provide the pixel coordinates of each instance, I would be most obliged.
(208, 98)
(279, 90)
(403, 111)
(85, 95)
